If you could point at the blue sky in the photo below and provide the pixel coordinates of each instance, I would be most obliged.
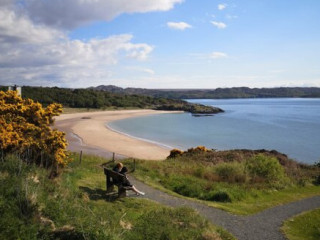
(160, 44)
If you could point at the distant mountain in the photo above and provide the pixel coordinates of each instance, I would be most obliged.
(218, 93)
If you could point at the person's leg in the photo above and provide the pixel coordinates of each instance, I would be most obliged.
(137, 191)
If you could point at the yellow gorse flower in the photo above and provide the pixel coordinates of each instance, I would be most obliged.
(25, 126)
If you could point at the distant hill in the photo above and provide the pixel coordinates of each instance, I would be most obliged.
(218, 93)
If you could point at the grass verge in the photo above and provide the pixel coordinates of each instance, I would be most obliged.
(304, 226)
(238, 182)
(75, 206)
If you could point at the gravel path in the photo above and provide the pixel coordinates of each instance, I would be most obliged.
(261, 226)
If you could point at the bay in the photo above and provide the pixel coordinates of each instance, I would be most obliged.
(290, 126)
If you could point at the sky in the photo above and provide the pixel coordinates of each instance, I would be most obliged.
(160, 43)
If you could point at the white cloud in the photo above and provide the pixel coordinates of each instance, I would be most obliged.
(37, 54)
(73, 13)
(18, 28)
(140, 69)
(138, 51)
(219, 25)
(222, 6)
(178, 25)
(69, 62)
(216, 55)
(231, 16)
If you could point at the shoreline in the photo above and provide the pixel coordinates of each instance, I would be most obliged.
(138, 138)
(89, 132)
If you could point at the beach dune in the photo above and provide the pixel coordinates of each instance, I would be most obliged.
(91, 128)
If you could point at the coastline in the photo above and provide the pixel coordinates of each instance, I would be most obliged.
(138, 138)
(89, 132)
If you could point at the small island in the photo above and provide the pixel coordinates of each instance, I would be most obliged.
(195, 109)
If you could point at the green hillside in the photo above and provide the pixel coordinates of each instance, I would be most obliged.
(89, 98)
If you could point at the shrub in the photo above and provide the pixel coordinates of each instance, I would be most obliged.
(191, 151)
(199, 172)
(25, 130)
(184, 185)
(198, 149)
(264, 168)
(175, 153)
(219, 196)
(231, 172)
(317, 180)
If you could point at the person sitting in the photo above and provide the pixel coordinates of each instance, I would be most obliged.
(127, 183)
(117, 168)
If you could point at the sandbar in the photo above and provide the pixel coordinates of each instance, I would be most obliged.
(88, 131)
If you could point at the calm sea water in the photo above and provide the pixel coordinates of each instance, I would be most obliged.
(290, 126)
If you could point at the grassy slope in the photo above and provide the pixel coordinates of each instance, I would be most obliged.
(305, 226)
(74, 206)
(197, 179)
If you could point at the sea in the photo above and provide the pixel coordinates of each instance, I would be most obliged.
(287, 125)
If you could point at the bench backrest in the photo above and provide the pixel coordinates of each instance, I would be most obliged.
(116, 177)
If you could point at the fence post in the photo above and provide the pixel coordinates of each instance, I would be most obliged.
(134, 164)
(113, 157)
(80, 156)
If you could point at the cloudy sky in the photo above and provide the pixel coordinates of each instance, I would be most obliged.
(160, 43)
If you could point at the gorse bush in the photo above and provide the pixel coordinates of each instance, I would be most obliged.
(25, 130)
(175, 153)
(191, 151)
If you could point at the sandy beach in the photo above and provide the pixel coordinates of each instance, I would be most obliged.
(88, 132)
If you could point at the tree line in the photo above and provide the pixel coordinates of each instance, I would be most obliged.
(219, 93)
(91, 98)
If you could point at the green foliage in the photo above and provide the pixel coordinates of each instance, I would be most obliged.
(317, 180)
(304, 226)
(220, 196)
(75, 206)
(185, 185)
(238, 180)
(17, 211)
(181, 223)
(90, 98)
(263, 168)
(235, 92)
(231, 172)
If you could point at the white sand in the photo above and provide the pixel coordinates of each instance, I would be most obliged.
(91, 128)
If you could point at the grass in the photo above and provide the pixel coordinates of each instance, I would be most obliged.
(267, 199)
(75, 206)
(305, 226)
(241, 185)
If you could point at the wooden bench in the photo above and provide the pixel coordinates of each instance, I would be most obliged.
(115, 178)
